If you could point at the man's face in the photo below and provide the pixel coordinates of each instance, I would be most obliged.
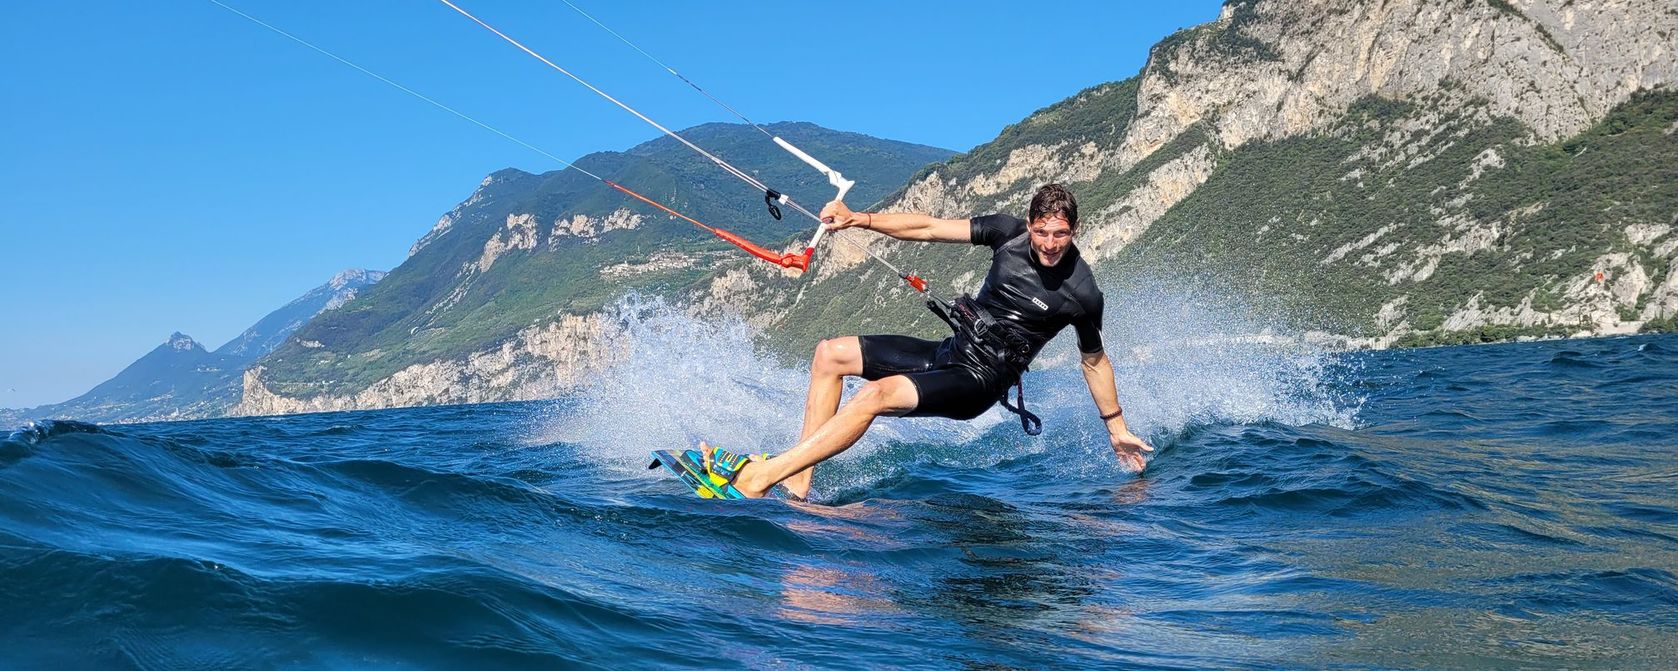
(1051, 235)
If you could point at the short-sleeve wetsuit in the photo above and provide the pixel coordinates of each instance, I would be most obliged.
(1037, 301)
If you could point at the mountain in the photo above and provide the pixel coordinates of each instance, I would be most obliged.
(179, 379)
(272, 330)
(501, 298)
(1404, 172)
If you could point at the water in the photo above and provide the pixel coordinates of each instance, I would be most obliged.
(1490, 507)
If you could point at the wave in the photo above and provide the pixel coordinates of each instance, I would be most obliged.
(1267, 469)
(1574, 359)
(205, 614)
(44, 429)
(1642, 596)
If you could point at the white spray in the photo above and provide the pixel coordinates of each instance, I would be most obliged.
(1180, 363)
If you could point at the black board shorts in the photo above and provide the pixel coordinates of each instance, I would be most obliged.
(948, 385)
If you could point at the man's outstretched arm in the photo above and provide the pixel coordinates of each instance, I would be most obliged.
(900, 225)
(1098, 374)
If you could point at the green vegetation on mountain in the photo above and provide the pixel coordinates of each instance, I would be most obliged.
(1392, 185)
(1098, 114)
(1228, 37)
(445, 301)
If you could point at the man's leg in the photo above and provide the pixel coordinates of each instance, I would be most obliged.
(893, 395)
(834, 359)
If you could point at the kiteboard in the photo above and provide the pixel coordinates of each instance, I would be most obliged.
(688, 466)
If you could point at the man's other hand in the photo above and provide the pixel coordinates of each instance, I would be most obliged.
(1129, 448)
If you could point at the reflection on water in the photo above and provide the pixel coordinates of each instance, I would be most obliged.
(831, 596)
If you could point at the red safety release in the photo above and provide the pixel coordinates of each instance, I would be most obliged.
(788, 260)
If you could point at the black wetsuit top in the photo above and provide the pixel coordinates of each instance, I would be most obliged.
(1037, 301)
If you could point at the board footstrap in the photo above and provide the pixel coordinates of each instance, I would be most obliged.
(688, 466)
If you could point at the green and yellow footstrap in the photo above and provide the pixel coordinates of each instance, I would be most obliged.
(717, 481)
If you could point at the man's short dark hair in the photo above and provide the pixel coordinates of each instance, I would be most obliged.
(1054, 199)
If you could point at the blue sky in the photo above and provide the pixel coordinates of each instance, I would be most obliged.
(173, 167)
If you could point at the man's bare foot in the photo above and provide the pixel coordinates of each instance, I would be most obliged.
(747, 479)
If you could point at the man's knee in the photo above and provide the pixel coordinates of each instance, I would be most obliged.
(893, 395)
(837, 356)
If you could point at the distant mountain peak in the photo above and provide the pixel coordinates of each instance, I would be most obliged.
(354, 276)
(182, 341)
(503, 175)
(179, 379)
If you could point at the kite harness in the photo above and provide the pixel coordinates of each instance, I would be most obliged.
(995, 342)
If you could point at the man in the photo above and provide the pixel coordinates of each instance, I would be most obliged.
(1037, 285)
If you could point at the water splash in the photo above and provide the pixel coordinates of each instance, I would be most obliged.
(1182, 361)
(1186, 359)
(682, 379)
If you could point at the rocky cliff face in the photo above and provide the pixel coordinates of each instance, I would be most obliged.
(538, 362)
(1269, 70)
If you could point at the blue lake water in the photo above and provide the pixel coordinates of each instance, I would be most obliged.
(1508, 506)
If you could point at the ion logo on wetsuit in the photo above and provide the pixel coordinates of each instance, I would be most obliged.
(955, 379)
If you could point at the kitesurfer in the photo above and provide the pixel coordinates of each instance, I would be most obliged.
(1037, 285)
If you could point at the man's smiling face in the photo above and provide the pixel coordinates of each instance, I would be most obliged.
(1051, 235)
